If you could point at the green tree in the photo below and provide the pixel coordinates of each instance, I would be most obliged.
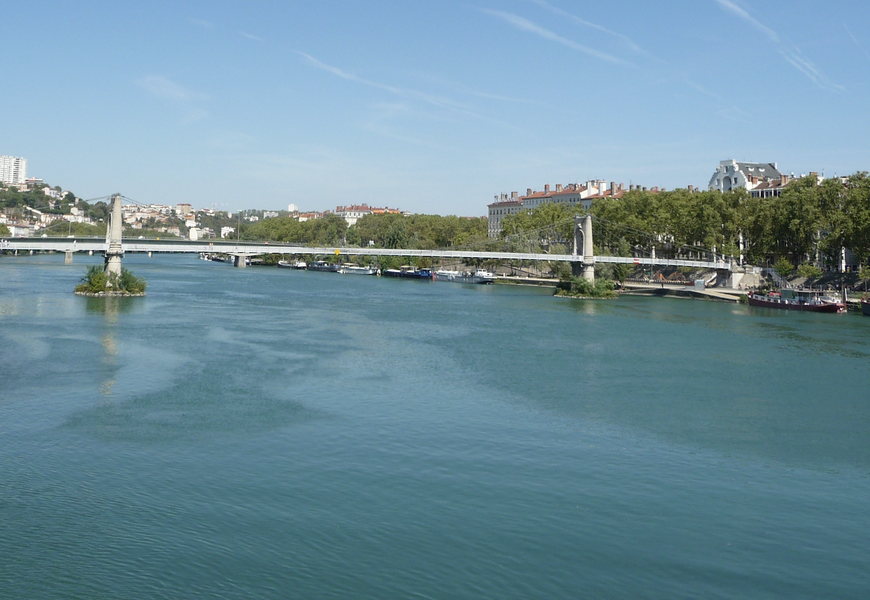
(796, 217)
(783, 267)
(808, 271)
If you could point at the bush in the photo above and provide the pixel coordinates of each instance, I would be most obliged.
(96, 281)
(579, 286)
(808, 271)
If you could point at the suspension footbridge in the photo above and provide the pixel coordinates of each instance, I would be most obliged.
(582, 254)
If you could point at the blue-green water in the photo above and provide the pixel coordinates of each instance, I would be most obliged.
(265, 433)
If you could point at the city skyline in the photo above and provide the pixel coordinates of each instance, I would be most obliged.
(436, 108)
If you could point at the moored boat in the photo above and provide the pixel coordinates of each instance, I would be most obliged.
(478, 276)
(357, 270)
(409, 272)
(284, 264)
(865, 307)
(804, 300)
(322, 265)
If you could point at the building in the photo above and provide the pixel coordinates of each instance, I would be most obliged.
(13, 170)
(183, 210)
(355, 212)
(227, 231)
(732, 175)
(573, 194)
(761, 180)
(499, 209)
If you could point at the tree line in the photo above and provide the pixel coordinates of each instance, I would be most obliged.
(809, 220)
(375, 230)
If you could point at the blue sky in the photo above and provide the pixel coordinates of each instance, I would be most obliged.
(432, 107)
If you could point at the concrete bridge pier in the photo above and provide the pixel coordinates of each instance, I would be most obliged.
(149, 254)
(587, 267)
(90, 252)
(31, 253)
(239, 261)
(67, 257)
(115, 251)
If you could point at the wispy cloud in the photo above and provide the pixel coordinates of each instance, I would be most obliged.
(743, 14)
(524, 24)
(735, 114)
(202, 23)
(185, 98)
(794, 57)
(790, 53)
(251, 36)
(404, 92)
(627, 40)
(164, 88)
(857, 43)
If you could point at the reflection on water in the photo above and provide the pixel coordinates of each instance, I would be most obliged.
(111, 307)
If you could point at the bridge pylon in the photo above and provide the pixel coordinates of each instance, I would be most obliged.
(583, 234)
(114, 251)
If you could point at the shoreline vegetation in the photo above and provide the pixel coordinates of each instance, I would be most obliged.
(96, 283)
(578, 287)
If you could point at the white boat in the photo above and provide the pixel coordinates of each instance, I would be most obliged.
(357, 270)
(284, 264)
(478, 276)
(300, 264)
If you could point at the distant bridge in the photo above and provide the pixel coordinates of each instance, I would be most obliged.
(246, 249)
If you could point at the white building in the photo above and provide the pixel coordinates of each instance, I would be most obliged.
(353, 213)
(13, 170)
(731, 175)
(227, 231)
(762, 180)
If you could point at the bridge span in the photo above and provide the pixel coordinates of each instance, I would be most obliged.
(246, 249)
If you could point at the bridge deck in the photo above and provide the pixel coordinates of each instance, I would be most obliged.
(256, 248)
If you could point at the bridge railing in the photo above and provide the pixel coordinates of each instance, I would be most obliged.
(255, 248)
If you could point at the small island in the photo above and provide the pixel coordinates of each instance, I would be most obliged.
(97, 283)
(580, 287)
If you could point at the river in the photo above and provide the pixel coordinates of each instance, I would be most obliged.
(268, 433)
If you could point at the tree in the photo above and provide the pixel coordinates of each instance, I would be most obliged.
(783, 267)
(864, 275)
(808, 271)
(796, 217)
(857, 209)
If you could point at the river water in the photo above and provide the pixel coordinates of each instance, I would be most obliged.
(266, 433)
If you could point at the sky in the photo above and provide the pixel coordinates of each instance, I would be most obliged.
(429, 106)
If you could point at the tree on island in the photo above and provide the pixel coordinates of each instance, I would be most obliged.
(96, 281)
